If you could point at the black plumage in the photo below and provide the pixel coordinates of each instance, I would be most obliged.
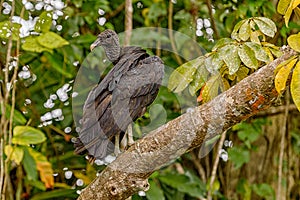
(120, 98)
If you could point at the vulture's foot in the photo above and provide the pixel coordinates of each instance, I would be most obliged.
(130, 135)
(117, 150)
(127, 139)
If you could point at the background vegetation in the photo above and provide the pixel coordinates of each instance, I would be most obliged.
(40, 57)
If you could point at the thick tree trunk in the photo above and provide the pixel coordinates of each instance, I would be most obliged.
(129, 172)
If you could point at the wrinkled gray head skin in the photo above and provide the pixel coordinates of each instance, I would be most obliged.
(109, 40)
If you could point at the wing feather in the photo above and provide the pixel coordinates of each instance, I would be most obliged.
(99, 122)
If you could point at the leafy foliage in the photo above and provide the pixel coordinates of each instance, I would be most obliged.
(25, 135)
(295, 86)
(228, 58)
(287, 7)
(283, 74)
(293, 41)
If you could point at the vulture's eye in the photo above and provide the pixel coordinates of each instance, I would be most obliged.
(108, 36)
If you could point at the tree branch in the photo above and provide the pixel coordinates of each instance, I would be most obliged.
(128, 174)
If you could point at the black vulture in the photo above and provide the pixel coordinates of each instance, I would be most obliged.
(120, 98)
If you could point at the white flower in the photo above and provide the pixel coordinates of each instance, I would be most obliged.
(39, 5)
(56, 113)
(101, 12)
(28, 6)
(58, 4)
(199, 33)
(101, 21)
(68, 174)
(27, 25)
(206, 23)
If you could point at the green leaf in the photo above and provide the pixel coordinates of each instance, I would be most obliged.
(242, 73)
(282, 6)
(155, 192)
(222, 42)
(44, 167)
(287, 15)
(183, 75)
(244, 32)
(214, 62)
(284, 63)
(264, 190)
(51, 40)
(26, 135)
(217, 61)
(15, 153)
(55, 194)
(249, 132)
(294, 42)
(18, 117)
(84, 39)
(295, 4)
(200, 78)
(183, 184)
(234, 34)
(29, 165)
(230, 56)
(156, 10)
(6, 30)
(238, 156)
(295, 85)
(276, 52)
(44, 22)
(192, 190)
(243, 188)
(57, 64)
(282, 76)
(215, 186)
(254, 36)
(31, 44)
(266, 26)
(174, 180)
(211, 88)
(259, 52)
(297, 12)
(37, 184)
(247, 56)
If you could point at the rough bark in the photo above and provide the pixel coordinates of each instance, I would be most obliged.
(129, 172)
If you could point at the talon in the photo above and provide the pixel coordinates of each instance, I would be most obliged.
(117, 150)
(130, 135)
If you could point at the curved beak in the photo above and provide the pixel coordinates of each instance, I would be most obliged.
(95, 44)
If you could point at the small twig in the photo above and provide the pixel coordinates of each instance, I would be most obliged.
(58, 130)
(215, 166)
(19, 182)
(170, 30)
(289, 162)
(1, 165)
(198, 166)
(115, 11)
(281, 153)
(13, 83)
(1, 4)
(179, 168)
(158, 44)
(6, 184)
(128, 21)
(277, 110)
(211, 15)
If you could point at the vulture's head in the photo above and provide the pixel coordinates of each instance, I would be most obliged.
(109, 40)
